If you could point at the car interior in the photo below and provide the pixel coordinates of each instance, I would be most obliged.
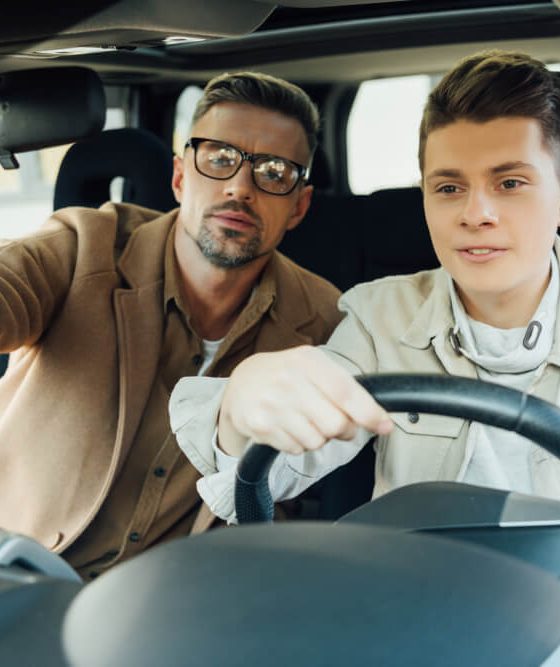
(95, 99)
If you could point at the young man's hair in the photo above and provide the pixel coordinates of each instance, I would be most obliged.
(262, 90)
(491, 85)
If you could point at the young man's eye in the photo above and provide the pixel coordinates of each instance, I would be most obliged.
(447, 189)
(511, 183)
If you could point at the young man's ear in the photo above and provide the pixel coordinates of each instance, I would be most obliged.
(301, 207)
(177, 178)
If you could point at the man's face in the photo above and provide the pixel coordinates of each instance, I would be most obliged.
(492, 202)
(232, 221)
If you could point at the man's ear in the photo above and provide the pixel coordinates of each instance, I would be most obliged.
(301, 207)
(177, 178)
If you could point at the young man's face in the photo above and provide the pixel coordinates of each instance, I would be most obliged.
(232, 221)
(492, 202)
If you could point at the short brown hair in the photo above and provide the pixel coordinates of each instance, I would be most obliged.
(490, 85)
(262, 90)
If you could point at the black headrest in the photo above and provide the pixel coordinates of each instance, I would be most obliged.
(321, 176)
(136, 155)
(396, 235)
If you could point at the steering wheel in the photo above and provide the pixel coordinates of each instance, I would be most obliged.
(475, 400)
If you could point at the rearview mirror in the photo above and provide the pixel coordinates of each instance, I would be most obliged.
(48, 107)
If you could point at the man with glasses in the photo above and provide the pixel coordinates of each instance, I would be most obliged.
(105, 310)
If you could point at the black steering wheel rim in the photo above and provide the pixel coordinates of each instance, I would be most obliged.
(474, 400)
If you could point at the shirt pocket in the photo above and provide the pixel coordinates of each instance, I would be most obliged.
(422, 447)
(416, 423)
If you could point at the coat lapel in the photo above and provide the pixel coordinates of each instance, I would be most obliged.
(139, 317)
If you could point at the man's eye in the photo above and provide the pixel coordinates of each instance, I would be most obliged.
(447, 189)
(222, 159)
(273, 171)
(273, 175)
(511, 183)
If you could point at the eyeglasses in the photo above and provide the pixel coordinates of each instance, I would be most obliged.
(272, 174)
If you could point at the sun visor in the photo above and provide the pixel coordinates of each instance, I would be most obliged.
(48, 107)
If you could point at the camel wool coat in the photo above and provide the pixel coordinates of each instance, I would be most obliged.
(81, 311)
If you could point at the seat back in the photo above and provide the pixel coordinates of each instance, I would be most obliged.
(328, 241)
(395, 234)
(138, 156)
(349, 239)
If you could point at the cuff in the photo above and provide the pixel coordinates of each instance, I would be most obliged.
(194, 407)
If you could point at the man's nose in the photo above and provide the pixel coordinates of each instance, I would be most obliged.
(479, 209)
(241, 185)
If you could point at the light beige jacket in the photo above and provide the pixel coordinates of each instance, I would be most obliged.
(401, 325)
(394, 325)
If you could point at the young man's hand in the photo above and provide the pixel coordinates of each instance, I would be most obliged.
(294, 400)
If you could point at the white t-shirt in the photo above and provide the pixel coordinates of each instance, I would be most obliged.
(209, 350)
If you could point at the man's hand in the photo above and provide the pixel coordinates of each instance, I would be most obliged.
(295, 400)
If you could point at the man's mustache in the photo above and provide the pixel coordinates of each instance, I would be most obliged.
(238, 207)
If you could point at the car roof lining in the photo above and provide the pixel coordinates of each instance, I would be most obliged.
(337, 51)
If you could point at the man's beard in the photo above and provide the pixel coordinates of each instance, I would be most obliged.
(227, 248)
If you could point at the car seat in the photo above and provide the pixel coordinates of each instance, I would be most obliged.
(138, 156)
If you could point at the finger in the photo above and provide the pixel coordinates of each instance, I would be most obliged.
(289, 428)
(342, 390)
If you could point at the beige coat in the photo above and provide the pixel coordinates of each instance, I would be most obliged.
(81, 302)
(401, 325)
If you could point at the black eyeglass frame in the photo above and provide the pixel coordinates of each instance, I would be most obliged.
(303, 172)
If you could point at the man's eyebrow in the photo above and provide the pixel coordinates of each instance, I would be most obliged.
(444, 173)
(498, 169)
(510, 166)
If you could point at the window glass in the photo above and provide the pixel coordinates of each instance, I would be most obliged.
(183, 116)
(382, 134)
(26, 194)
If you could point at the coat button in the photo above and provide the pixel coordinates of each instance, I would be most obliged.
(413, 417)
(160, 472)
(134, 537)
(197, 360)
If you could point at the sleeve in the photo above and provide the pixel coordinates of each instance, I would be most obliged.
(351, 344)
(35, 276)
(289, 475)
(194, 408)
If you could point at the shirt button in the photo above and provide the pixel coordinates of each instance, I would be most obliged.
(160, 472)
(413, 417)
(134, 537)
(197, 359)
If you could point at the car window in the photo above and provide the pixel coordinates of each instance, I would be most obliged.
(183, 116)
(382, 133)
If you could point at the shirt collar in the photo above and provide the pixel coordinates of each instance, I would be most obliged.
(263, 294)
